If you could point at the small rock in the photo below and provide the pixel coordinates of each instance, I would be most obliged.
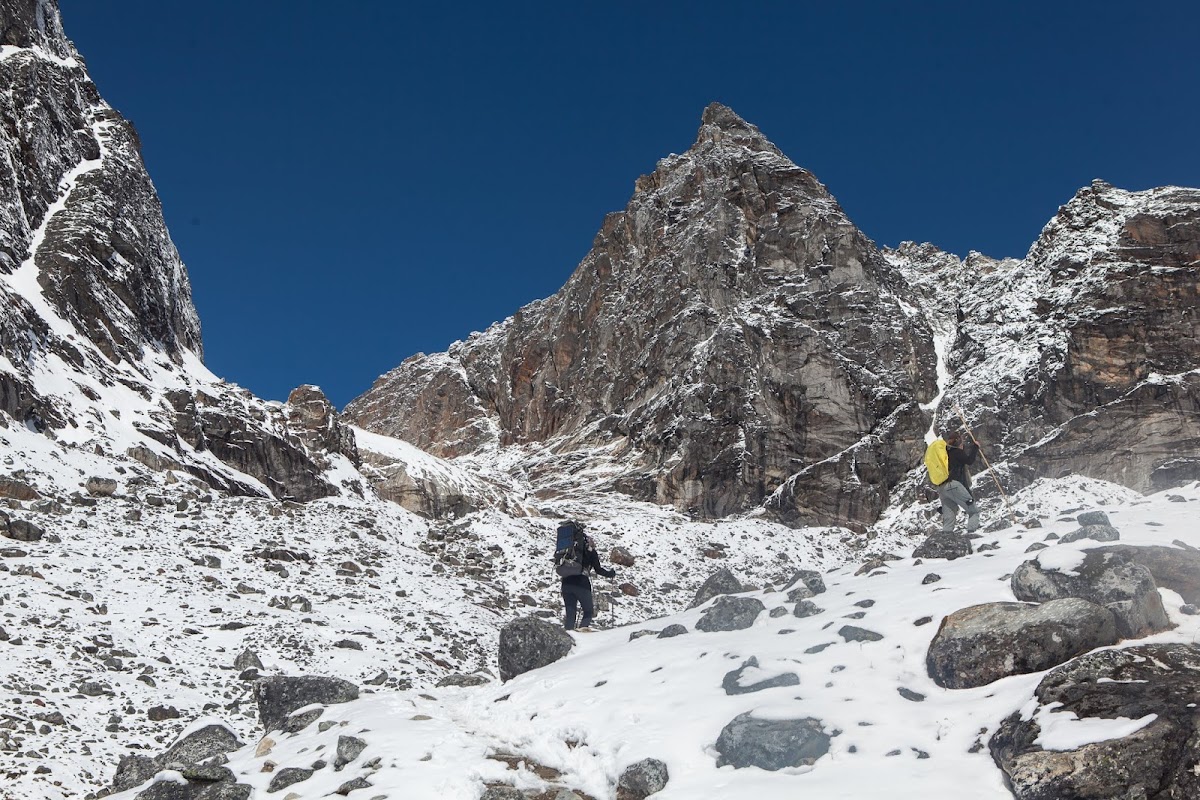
(1100, 533)
(348, 749)
(621, 557)
(932, 577)
(721, 582)
(852, 633)
(672, 630)
(1093, 518)
(287, 777)
(639, 781)
(730, 614)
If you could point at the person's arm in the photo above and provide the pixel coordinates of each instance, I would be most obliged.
(594, 563)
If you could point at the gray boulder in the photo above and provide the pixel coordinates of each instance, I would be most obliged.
(1107, 579)
(198, 789)
(806, 608)
(672, 630)
(730, 614)
(530, 643)
(348, 749)
(279, 695)
(805, 583)
(201, 745)
(771, 744)
(248, 659)
(639, 781)
(101, 487)
(23, 530)
(720, 582)
(1174, 568)
(134, 770)
(1157, 761)
(733, 682)
(503, 793)
(1100, 533)
(853, 633)
(944, 545)
(981, 644)
(287, 777)
(1093, 518)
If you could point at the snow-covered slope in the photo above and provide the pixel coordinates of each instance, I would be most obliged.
(895, 733)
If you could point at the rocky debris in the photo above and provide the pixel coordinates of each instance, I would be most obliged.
(981, 644)
(811, 583)
(771, 744)
(1174, 568)
(720, 582)
(101, 487)
(944, 545)
(672, 630)
(1158, 685)
(348, 749)
(278, 696)
(1100, 533)
(621, 557)
(530, 643)
(730, 614)
(462, 680)
(194, 756)
(1107, 579)
(642, 779)
(734, 681)
(22, 530)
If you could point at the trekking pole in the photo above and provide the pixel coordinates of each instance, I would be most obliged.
(971, 433)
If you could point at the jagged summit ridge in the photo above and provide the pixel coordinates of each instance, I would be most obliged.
(730, 307)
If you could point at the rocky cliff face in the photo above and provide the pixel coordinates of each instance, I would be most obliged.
(99, 340)
(1081, 358)
(730, 333)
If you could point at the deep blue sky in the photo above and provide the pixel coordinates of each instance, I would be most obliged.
(351, 183)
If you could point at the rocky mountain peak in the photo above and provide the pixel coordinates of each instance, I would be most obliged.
(34, 23)
(727, 309)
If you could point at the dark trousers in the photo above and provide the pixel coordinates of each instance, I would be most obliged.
(574, 595)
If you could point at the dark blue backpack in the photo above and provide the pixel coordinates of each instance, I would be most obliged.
(569, 550)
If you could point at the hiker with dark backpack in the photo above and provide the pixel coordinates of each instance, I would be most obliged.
(947, 460)
(574, 555)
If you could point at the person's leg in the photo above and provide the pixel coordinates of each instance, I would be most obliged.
(569, 600)
(962, 498)
(585, 600)
(949, 506)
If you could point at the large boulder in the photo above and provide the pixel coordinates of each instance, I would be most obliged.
(530, 643)
(278, 696)
(730, 614)
(201, 745)
(1099, 533)
(771, 744)
(1174, 568)
(1149, 691)
(977, 645)
(720, 582)
(1107, 579)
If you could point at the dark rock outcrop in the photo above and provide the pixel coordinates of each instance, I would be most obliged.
(1107, 579)
(530, 643)
(730, 614)
(278, 696)
(1134, 684)
(981, 644)
(771, 744)
(720, 582)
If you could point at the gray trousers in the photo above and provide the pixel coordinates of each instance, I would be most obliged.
(954, 496)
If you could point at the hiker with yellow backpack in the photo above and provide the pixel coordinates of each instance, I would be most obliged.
(947, 459)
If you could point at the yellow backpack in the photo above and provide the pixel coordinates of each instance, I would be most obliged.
(937, 462)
